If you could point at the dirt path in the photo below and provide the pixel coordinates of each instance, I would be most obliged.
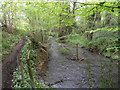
(10, 63)
(95, 71)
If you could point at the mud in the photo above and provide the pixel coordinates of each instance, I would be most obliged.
(10, 63)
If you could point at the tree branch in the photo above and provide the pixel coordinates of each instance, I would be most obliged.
(96, 4)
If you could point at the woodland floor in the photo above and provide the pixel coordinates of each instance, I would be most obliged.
(94, 71)
(10, 63)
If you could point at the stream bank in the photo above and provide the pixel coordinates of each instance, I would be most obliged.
(10, 63)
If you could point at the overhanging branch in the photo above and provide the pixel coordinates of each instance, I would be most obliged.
(96, 4)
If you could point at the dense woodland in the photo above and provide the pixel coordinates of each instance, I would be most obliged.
(89, 25)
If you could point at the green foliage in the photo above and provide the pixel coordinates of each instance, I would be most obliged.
(107, 28)
(17, 78)
(42, 16)
(77, 39)
(8, 42)
(52, 34)
(65, 51)
(41, 19)
(106, 43)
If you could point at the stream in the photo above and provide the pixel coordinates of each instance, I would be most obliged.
(95, 71)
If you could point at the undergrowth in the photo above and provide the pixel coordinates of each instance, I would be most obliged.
(8, 42)
(18, 81)
(107, 44)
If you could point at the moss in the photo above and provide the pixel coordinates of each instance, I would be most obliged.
(65, 51)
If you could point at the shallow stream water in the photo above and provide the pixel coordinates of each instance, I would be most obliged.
(95, 71)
